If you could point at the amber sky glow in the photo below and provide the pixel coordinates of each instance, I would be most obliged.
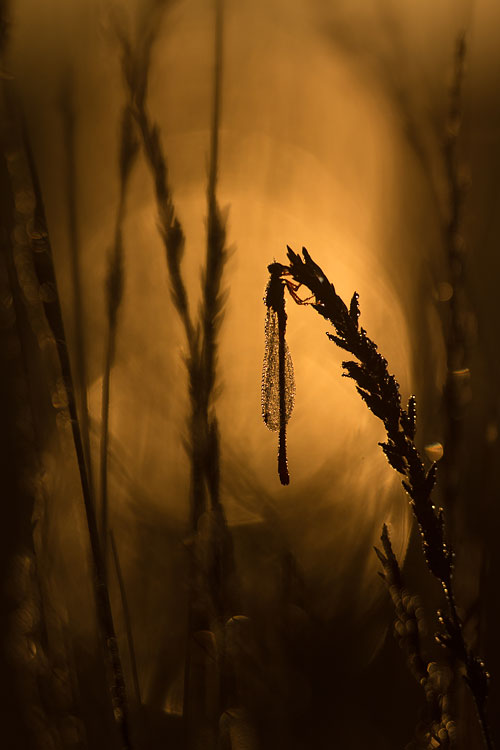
(312, 153)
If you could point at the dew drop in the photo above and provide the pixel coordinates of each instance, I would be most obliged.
(444, 291)
(434, 451)
(60, 395)
(462, 373)
(31, 648)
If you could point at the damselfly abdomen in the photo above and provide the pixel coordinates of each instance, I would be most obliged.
(278, 384)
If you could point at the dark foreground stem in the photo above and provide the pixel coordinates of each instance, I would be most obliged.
(45, 272)
(68, 117)
(104, 441)
(114, 293)
(127, 619)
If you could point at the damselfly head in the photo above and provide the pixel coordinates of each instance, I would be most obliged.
(277, 269)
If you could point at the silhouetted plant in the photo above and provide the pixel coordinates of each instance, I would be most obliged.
(380, 391)
(114, 293)
(201, 338)
(42, 279)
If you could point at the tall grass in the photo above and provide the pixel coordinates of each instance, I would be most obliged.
(201, 337)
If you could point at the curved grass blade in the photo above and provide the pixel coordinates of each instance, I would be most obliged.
(278, 382)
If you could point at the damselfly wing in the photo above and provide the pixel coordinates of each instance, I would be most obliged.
(278, 383)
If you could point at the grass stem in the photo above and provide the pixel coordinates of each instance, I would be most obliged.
(45, 270)
(127, 619)
(114, 294)
(68, 116)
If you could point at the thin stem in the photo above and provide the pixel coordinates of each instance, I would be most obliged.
(216, 255)
(457, 338)
(216, 102)
(104, 439)
(126, 618)
(114, 293)
(75, 269)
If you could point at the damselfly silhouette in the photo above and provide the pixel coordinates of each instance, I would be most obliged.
(278, 383)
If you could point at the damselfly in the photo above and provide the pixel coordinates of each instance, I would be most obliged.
(278, 383)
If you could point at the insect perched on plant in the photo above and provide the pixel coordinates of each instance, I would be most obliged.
(278, 383)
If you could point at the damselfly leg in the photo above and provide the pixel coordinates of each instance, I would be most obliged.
(293, 287)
